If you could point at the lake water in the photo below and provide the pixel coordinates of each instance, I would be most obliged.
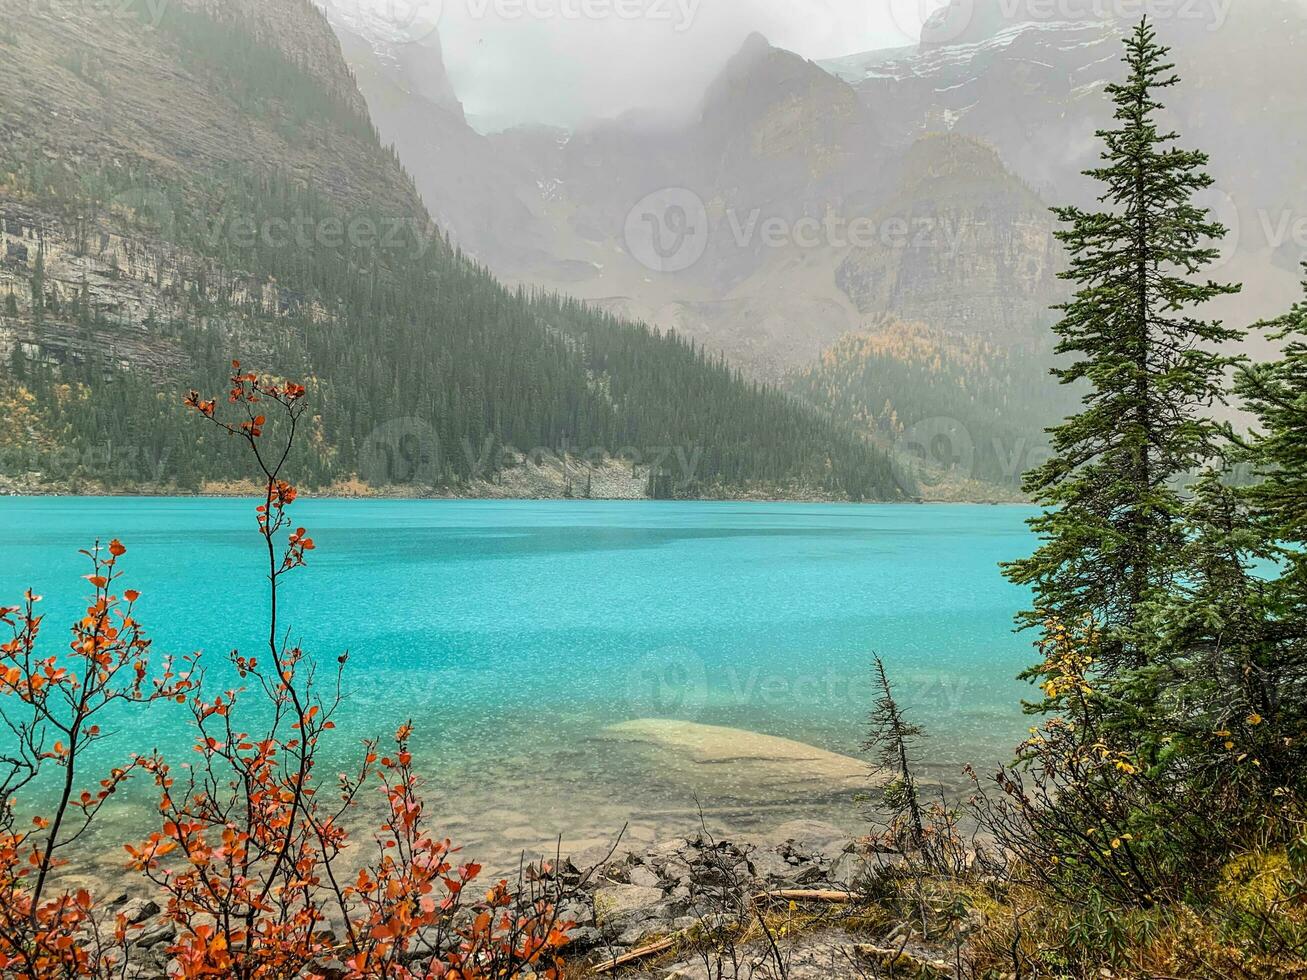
(515, 633)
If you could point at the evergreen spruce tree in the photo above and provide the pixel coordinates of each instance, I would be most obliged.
(1230, 640)
(891, 737)
(1276, 394)
(1112, 527)
(1211, 644)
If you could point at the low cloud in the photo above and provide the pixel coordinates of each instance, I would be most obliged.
(563, 62)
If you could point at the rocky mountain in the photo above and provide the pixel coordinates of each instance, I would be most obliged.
(803, 201)
(803, 223)
(814, 224)
(414, 105)
(188, 182)
(978, 256)
(109, 118)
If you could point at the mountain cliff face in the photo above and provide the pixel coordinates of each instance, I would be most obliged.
(779, 139)
(814, 225)
(109, 119)
(1033, 88)
(110, 85)
(979, 255)
(813, 221)
(414, 105)
(188, 182)
(771, 120)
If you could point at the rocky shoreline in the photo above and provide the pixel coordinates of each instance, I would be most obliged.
(542, 483)
(683, 882)
(611, 489)
(792, 904)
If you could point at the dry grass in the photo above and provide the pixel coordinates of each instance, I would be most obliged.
(1256, 930)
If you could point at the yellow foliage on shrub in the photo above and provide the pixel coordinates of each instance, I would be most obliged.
(1256, 882)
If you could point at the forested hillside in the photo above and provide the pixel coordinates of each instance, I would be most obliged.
(964, 406)
(199, 183)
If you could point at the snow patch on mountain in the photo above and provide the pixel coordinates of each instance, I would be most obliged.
(908, 62)
(384, 24)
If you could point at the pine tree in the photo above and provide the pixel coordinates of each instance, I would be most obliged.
(1112, 527)
(891, 737)
(1211, 643)
(1276, 394)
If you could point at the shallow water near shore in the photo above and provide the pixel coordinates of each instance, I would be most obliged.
(521, 637)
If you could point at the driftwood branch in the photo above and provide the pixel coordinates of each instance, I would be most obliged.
(806, 895)
(638, 954)
(662, 945)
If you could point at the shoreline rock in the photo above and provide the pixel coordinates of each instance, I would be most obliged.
(700, 881)
(674, 889)
(768, 764)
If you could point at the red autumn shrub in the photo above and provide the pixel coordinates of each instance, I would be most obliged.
(51, 706)
(252, 857)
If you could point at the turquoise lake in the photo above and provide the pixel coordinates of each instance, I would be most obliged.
(514, 633)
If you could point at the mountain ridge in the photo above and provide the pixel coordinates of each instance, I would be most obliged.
(778, 139)
(202, 193)
(785, 141)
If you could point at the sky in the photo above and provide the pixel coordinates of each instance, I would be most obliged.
(564, 62)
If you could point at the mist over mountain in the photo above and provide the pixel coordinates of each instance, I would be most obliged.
(911, 181)
(800, 208)
(567, 62)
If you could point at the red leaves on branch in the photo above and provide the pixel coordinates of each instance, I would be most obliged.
(248, 388)
(206, 408)
(49, 703)
(249, 853)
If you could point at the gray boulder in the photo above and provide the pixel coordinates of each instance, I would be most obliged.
(620, 905)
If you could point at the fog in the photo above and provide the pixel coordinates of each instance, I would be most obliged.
(566, 62)
(563, 62)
